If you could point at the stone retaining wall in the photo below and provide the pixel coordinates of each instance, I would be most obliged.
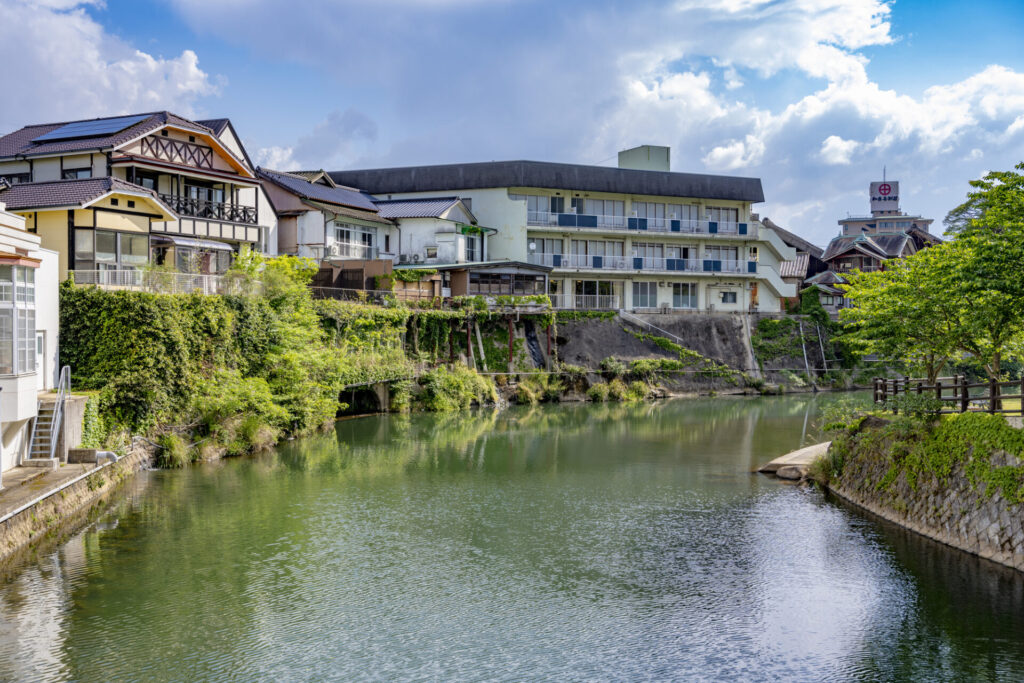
(953, 511)
(60, 513)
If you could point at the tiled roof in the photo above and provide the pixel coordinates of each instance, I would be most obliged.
(828, 277)
(26, 196)
(349, 212)
(301, 187)
(792, 239)
(541, 174)
(796, 267)
(889, 245)
(19, 143)
(425, 207)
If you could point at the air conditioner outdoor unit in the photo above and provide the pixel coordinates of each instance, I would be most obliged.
(334, 250)
(416, 258)
(636, 214)
(666, 307)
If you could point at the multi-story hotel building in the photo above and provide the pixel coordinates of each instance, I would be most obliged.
(635, 237)
(112, 195)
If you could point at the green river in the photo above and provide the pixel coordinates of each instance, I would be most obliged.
(564, 543)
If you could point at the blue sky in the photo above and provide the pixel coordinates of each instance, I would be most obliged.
(812, 96)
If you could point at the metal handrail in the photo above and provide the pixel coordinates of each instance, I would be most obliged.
(640, 322)
(208, 208)
(57, 421)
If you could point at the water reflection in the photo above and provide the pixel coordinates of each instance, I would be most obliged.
(610, 542)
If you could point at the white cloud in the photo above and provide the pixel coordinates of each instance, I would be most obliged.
(836, 151)
(62, 64)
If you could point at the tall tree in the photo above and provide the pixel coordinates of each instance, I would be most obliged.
(996, 201)
(900, 313)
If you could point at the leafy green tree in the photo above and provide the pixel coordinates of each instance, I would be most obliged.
(899, 313)
(996, 202)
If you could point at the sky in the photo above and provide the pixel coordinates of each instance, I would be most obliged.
(815, 97)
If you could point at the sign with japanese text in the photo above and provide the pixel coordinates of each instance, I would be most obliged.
(885, 196)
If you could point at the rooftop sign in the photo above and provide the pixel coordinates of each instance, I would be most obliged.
(885, 196)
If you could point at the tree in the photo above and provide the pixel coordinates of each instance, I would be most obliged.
(900, 313)
(996, 202)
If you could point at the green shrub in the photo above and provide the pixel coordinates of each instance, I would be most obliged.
(172, 451)
(456, 388)
(618, 390)
(613, 368)
(598, 393)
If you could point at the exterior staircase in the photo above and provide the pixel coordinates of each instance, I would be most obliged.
(43, 447)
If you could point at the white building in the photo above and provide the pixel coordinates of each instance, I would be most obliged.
(29, 324)
(636, 237)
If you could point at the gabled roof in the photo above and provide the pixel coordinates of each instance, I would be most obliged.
(19, 143)
(882, 246)
(320, 177)
(827, 277)
(541, 174)
(304, 189)
(68, 193)
(792, 239)
(216, 125)
(420, 207)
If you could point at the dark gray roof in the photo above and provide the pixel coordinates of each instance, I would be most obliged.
(546, 175)
(795, 268)
(884, 246)
(27, 196)
(216, 125)
(19, 143)
(301, 187)
(425, 207)
(793, 240)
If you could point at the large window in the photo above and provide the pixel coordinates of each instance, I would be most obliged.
(684, 295)
(541, 209)
(108, 250)
(723, 214)
(611, 213)
(645, 295)
(17, 320)
(721, 253)
(15, 178)
(353, 242)
(653, 212)
(76, 173)
(473, 251)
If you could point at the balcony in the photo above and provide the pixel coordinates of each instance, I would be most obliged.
(641, 225)
(644, 264)
(585, 302)
(161, 282)
(217, 211)
(177, 151)
(351, 250)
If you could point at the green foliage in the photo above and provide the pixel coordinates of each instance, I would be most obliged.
(917, 405)
(827, 467)
(613, 368)
(776, 338)
(650, 369)
(705, 367)
(570, 316)
(172, 451)
(539, 388)
(456, 388)
(617, 390)
(916, 446)
(413, 274)
(598, 393)
(94, 429)
(810, 306)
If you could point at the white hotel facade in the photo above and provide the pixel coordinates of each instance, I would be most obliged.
(636, 237)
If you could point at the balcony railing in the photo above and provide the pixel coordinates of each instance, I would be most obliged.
(161, 282)
(202, 208)
(640, 225)
(177, 151)
(351, 250)
(585, 302)
(644, 263)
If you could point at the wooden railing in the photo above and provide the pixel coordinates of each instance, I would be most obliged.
(177, 151)
(956, 393)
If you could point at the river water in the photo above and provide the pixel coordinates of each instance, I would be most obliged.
(581, 542)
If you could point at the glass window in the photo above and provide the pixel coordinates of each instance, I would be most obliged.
(6, 284)
(75, 173)
(728, 297)
(6, 341)
(17, 320)
(106, 249)
(723, 214)
(721, 253)
(645, 294)
(134, 251)
(684, 295)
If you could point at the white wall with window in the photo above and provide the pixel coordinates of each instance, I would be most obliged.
(352, 241)
(28, 331)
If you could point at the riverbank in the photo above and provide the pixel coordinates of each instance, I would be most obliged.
(958, 480)
(40, 509)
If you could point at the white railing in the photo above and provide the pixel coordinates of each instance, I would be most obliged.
(643, 263)
(586, 302)
(637, 224)
(352, 250)
(162, 282)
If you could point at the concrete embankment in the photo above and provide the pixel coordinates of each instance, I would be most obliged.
(45, 508)
(795, 465)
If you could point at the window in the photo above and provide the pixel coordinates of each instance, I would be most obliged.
(609, 251)
(17, 320)
(473, 248)
(645, 295)
(15, 178)
(353, 241)
(654, 213)
(721, 253)
(146, 179)
(752, 251)
(687, 214)
(611, 213)
(76, 173)
(387, 243)
(827, 300)
(648, 250)
(490, 283)
(684, 295)
(721, 214)
(541, 209)
(728, 297)
(107, 250)
(431, 252)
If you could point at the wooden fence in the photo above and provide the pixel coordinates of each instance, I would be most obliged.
(956, 393)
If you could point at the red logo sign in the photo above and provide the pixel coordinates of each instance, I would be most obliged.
(884, 189)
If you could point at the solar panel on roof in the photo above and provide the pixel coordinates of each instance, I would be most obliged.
(90, 129)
